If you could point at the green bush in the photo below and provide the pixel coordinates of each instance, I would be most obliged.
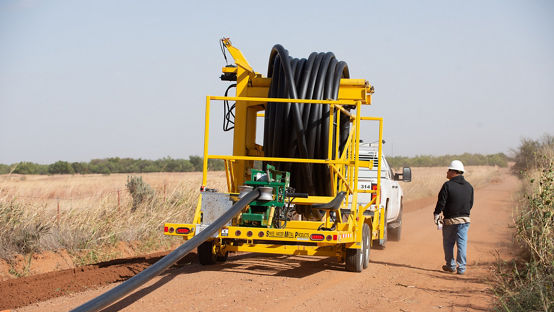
(197, 162)
(499, 159)
(61, 167)
(4, 169)
(30, 168)
(80, 167)
(20, 229)
(528, 283)
(533, 154)
(139, 190)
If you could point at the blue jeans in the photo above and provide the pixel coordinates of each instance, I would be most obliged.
(455, 233)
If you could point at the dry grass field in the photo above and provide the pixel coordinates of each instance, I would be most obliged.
(85, 191)
(427, 181)
(95, 214)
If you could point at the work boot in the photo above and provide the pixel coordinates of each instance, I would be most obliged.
(448, 269)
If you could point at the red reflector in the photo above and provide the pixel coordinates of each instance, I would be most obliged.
(329, 237)
(237, 233)
(261, 234)
(165, 229)
(317, 237)
(182, 230)
(249, 233)
(374, 188)
(334, 237)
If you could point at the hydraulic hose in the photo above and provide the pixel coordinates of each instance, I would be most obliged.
(136, 281)
(302, 130)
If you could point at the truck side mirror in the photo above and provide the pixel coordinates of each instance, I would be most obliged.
(407, 174)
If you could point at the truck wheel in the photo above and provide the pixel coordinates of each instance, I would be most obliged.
(366, 234)
(206, 254)
(354, 260)
(395, 230)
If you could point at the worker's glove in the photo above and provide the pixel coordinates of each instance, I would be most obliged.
(437, 218)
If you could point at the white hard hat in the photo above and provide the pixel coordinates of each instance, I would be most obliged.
(456, 165)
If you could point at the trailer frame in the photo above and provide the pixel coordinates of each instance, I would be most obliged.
(299, 237)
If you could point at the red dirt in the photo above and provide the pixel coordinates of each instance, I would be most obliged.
(27, 290)
(405, 276)
(37, 263)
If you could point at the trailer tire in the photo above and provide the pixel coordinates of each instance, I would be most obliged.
(222, 258)
(366, 239)
(395, 231)
(354, 259)
(206, 254)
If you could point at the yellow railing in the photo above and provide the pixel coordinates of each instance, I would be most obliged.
(343, 168)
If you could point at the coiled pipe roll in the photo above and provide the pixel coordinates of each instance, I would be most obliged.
(302, 130)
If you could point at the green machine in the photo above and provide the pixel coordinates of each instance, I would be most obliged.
(269, 210)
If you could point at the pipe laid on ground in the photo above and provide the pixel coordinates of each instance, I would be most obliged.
(154, 270)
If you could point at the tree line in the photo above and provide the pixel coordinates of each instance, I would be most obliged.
(114, 165)
(499, 159)
(194, 163)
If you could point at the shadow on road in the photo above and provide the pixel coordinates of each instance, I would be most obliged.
(132, 298)
(276, 265)
(443, 275)
(405, 266)
(249, 264)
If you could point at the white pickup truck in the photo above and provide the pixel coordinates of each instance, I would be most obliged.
(391, 192)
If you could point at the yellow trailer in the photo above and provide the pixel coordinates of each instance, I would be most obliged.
(321, 221)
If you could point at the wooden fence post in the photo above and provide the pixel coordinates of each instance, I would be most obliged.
(58, 214)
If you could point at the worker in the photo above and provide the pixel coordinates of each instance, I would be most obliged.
(455, 201)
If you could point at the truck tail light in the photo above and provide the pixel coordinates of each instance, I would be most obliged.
(374, 195)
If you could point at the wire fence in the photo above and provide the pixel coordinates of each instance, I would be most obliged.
(121, 195)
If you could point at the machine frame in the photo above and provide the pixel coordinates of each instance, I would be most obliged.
(299, 237)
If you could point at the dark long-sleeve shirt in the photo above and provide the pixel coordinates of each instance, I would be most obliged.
(455, 198)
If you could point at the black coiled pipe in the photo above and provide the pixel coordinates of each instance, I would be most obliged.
(302, 130)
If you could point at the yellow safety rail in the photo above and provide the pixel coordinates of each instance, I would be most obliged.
(343, 168)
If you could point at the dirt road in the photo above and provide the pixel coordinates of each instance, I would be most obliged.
(406, 276)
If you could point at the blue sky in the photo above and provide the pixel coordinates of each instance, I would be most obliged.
(93, 79)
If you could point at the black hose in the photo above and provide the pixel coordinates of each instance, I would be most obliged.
(152, 271)
(228, 111)
(302, 130)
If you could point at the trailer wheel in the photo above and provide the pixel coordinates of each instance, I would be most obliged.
(354, 259)
(395, 230)
(365, 245)
(222, 258)
(206, 254)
